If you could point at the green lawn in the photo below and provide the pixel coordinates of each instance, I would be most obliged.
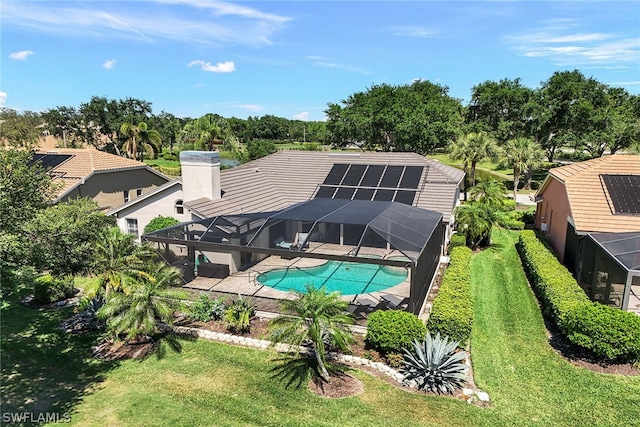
(209, 383)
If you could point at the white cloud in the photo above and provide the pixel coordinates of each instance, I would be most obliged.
(249, 107)
(187, 21)
(563, 46)
(419, 32)
(220, 67)
(3, 98)
(304, 116)
(109, 64)
(325, 62)
(21, 55)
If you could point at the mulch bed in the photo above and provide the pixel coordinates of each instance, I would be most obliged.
(109, 350)
(339, 385)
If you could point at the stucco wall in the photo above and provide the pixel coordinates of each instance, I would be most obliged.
(162, 203)
(107, 188)
(554, 210)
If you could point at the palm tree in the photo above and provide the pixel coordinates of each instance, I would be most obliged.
(522, 154)
(149, 304)
(471, 149)
(140, 140)
(118, 262)
(319, 317)
(475, 220)
(489, 192)
(209, 130)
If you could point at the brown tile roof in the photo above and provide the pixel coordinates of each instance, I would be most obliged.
(85, 162)
(289, 177)
(588, 197)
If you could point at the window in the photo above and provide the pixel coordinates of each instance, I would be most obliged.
(132, 226)
(179, 207)
(126, 195)
(139, 192)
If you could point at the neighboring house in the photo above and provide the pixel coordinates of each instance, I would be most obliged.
(590, 214)
(107, 179)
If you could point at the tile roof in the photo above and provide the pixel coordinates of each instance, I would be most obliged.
(289, 177)
(588, 196)
(85, 162)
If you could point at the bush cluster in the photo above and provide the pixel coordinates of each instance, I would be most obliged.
(168, 170)
(205, 309)
(606, 331)
(48, 289)
(510, 220)
(169, 156)
(452, 311)
(456, 240)
(390, 331)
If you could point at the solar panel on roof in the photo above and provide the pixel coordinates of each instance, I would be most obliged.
(411, 177)
(372, 176)
(334, 177)
(384, 195)
(49, 161)
(392, 176)
(344, 193)
(624, 193)
(325, 192)
(405, 196)
(354, 175)
(364, 194)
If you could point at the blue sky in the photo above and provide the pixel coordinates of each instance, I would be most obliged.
(289, 59)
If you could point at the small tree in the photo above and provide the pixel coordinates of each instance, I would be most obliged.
(150, 303)
(160, 222)
(319, 317)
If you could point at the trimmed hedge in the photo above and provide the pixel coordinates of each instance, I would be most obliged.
(456, 240)
(608, 332)
(394, 330)
(452, 311)
(169, 171)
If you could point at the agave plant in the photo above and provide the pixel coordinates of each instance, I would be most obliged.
(238, 314)
(435, 365)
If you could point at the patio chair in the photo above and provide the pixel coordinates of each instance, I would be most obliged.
(393, 301)
(281, 243)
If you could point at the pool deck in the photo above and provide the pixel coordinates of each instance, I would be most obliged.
(267, 299)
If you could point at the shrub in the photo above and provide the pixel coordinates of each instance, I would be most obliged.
(528, 216)
(160, 222)
(205, 309)
(392, 330)
(510, 220)
(456, 240)
(452, 311)
(311, 146)
(239, 313)
(169, 156)
(48, 289)
(435, 365)
(394, 360)
(167, 170)
(606, 331)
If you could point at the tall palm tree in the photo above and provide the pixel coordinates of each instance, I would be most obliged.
(208, 130)
(473, 148)
(489, 192)
(522, 154)
(118, 262)
(149, 304)
(319, 317)
(140, 140)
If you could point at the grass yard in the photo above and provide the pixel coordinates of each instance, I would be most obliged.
(44, 370)
(528, 382)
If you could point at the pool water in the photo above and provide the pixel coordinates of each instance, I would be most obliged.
(349, 278)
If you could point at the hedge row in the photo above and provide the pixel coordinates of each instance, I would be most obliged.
(452, 311)
(456, 240)
(608, 332)
(167, 170)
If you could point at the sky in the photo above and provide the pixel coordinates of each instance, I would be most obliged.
(292, 58)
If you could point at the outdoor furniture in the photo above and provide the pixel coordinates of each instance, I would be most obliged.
(297, 241)
(394, 301)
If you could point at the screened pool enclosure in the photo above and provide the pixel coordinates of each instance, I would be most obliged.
(608, 269)
(331, 229)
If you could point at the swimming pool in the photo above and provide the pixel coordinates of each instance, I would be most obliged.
(350, 278)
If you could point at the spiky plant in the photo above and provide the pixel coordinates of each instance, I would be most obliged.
(435, 365)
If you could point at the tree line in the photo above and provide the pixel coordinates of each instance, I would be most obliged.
(568, 110)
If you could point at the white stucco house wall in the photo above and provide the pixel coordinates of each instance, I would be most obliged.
(166, 200)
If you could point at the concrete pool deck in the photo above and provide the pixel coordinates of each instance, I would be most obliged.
(267, 298)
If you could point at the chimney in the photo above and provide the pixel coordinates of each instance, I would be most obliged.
(200, 174)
